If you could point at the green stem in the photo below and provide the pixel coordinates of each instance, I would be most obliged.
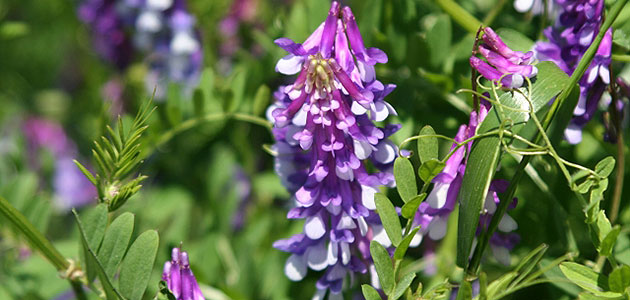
(39, 242)
(194, 122)
(473, 266)
(621, 57)
(460, 15)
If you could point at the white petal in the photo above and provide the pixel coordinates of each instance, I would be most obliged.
(149, 21)
(319, 295)
(333, 251)
(345, 253)
(592, 74)
(289, 64)
(363, 226)
(489, 205)
(159, 4)
(357, 108)
(184, 43)
(507, 224)
(367, 196)
(366, 71)
(295, 267)
(416, 240)
(437, 197)
(523, 5)
(346, 222)
(437, 228)
(300, 117)
(573, 134)
(385, 152)
(317, 257)
(379, 111)
(374, 281)
(502, 254)
(381, 236)
(362, 149)
(314, 227)
(605, 74)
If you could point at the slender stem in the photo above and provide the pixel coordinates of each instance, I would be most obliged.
(473, 266)
(194, 122)
(621, 57)
(460, 15)
(620, 172)
(39, 242)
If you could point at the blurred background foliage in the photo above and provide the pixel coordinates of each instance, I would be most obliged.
(212, 186)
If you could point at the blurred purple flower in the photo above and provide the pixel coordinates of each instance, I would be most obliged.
(434, 212)
(569, 38)
(503, 63)
(107, 25)
(179, 278)
(242, 184)
(71, 187)
(325, 135)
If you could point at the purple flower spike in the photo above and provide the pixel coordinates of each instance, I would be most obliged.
(503, 63)
(569, 38)
(434, 212)
(325, 139)
(180, 280)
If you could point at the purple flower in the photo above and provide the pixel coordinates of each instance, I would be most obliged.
(434, 212)
(502, 62)
(71, 188)
(179, 278)
(325, 137)
(569, 38)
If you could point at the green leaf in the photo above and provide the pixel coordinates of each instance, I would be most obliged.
(619, 279)
(92, 262)
(138, 264)
(430, 169)
(164, 293)
(500, 284)
(403, 284)
(605, 166)
(410, 208)
(465, 291)
(583, 276)
(95, 221)
(383, 265)
(405, 179)
(609, 241)
(427, 146)
(515, 40)
(389, 218)
(115, 243)
(370, 293)
(484, 156)
(438, 37)
(404, 244)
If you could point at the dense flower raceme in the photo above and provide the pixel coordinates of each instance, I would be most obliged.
(71, 187)
(569, 38)
(325, 137)
(503, 63)
(163, 30)
(180, 280)
(434, 212)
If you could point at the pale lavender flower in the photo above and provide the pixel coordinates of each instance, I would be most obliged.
(434, 212)
(569, 38)
(503, 63)
(179, 278)
(325, 136)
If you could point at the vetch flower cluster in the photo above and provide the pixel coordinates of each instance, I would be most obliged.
(503, 63)
(569, 38)
(163, 30)
(180, 280)
(325, 137)
(434, 212)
